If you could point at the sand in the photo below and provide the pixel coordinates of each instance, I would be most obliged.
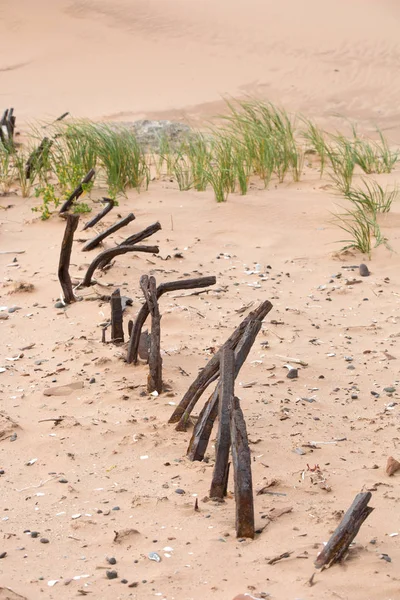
(110, 446)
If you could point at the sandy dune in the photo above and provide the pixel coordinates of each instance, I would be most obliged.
(113, 448)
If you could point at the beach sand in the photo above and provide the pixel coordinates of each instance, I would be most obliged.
(113, 462)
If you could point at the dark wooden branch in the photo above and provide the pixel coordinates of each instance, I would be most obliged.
(65, 256)
(111, 253)
(221, 468)
(138, 237)
(110, 204)
(142, 235)
(211, 370)
(154, 382)
(241, 460)
(171, 286)
(8, 122)
(35, 160)
(78, 191)
(346, 531)
(117, 330)
(202, 431)
(101, 236)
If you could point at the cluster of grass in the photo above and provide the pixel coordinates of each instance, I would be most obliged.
(255, 140)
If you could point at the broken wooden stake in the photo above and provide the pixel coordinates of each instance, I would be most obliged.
(109, 205)
(345, 532)
(211, 371)
(78, 191)
(202, 431)
(117, 330)
(171, 286)
(241, 461)
(101, 236)
(65, 256)
(149, 288)
(227, 390)
(111, 253)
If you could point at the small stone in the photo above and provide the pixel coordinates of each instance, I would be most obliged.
(364, 271)
(375, 394)
(116, 508)
(385, 557)
(59, 304)
(354, 397)
(63, 480)
(13, 437)
(392, 466)
(351, 368)
(348, 358)
(154, 556)
(293, 374)
(44, 540)
(92, 380)
(14, 309)
(299, 451)
(2, 471)
(111, 574)
(124, 581)
(389, 390)
(34, 534)
(3, 554)
(180, 491)
(134, 584)
(3, 317)
(111, 560)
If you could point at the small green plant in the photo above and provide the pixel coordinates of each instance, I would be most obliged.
(50, 200)
(374, 157)
(81, 208)
(362, 227)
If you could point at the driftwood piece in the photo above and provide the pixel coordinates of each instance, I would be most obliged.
(171, 286)
(117, 330)
(221, 468)
(36, 157)
(202, 431)
(211, 370)
(78, 191)
(149, 288)
(109, 205)
(241, 460)
(65, 256)
(111, 253)
(345, 532)
(103, 234)
(7, 127)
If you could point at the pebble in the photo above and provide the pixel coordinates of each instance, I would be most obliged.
(124, 581)
(13, 437)
(154, 556)
(92, 380)
(34, 534)
(375, 394)
(354, 396)
(180, 491)
(62, 480)
(3, 555)
(385, 557)
(116, 508)
(59, 304)
(111, 560)
(111, 574)
(364, 271)
(44, 540)
(293, 374)
(389, 390)
(14, 309)
(2, 471)
(299, 451)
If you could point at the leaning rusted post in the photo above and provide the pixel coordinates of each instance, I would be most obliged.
(117, 330)
(65, 257)
(211, 371)
(101, 236)
(227, 391)
(345, 532)
(241, 460)
(202, 431)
